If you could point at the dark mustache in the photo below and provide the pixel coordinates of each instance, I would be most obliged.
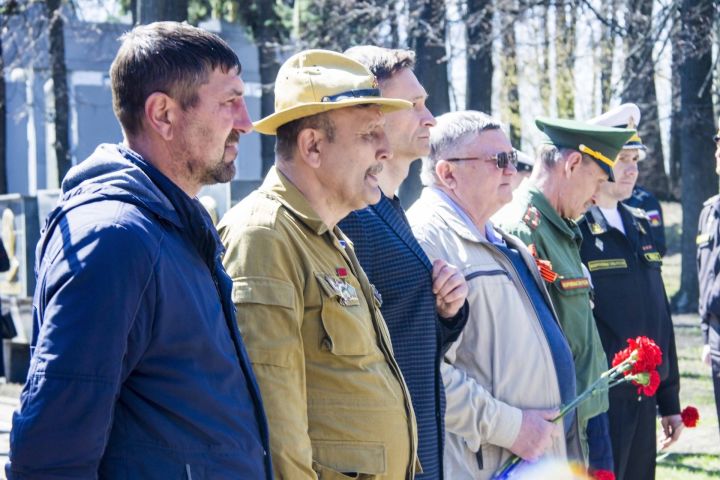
(375, 170)
(234, 137)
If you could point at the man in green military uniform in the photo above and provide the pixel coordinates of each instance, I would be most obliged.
(574, 161)
(335, 399)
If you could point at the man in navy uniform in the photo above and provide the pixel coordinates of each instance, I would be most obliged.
(628, 115)
(708, 258)
(422, 301)
(630, 301)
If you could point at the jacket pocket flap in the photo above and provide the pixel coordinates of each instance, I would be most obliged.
(265, 291)
(275, 358)
(351, 457)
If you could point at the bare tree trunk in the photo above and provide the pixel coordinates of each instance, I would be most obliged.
(394, 27)
(479, 72)
(640, 89)
(607, 53)
(544, 67)
(696, 131)
(267, 37)
(149, 11)
(565, 59)
(427, 37)
(675, 176)
(56, 39)
(3, 115)
(268, 33)
(510, 94)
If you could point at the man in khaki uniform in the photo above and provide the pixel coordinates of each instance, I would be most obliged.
(335, 398)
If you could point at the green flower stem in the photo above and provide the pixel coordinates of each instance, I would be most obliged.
(606, 381)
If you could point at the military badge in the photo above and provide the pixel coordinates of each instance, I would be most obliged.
(532, 217)
(378, 297)
(338, 287)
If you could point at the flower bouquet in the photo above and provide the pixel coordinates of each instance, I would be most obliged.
(637, 364)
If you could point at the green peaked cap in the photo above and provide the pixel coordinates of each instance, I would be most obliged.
(602, 143)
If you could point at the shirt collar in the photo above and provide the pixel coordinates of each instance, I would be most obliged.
(489, 233)
(279, 186)
(540, 201)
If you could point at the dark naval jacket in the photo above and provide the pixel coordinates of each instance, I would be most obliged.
(629, 294)
(138, 368)
(708, 263)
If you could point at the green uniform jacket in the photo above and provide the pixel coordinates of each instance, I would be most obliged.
(334, 395)
(531, 217)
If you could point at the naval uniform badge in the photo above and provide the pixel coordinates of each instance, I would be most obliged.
(596, 229)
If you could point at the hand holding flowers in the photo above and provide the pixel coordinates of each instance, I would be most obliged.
(637, 364)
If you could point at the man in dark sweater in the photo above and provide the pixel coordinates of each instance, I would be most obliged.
(423, 302)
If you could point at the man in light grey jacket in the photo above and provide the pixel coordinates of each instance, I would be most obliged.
(511, 369)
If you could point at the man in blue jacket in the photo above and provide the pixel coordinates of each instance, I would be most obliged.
(422, 301)
(138, 368)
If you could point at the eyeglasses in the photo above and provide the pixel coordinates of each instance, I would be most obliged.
(502, 159)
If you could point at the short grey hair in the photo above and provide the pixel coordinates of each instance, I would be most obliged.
(550, 155)
(451, 131)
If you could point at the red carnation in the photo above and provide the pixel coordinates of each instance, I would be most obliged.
(647, 355)
(603, 475)
(690, 416)
(621, 356)
(650, 389)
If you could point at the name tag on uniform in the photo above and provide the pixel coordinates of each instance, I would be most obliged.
(574, 283)
(608, 264)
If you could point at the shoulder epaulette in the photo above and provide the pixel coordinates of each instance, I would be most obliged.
(637, 212)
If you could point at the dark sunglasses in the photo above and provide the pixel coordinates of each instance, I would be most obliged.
(502, 159)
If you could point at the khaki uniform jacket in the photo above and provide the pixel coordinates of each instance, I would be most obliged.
(335, 399)
(531, 217)
(501, 362)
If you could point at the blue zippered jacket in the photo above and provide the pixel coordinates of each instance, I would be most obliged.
(138, 370)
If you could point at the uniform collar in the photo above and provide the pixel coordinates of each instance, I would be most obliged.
(280, 187)
(597, 223)
(539, 200)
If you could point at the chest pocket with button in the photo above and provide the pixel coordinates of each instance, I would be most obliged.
(345, 317)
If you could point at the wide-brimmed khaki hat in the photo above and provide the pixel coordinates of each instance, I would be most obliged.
(316, 81)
